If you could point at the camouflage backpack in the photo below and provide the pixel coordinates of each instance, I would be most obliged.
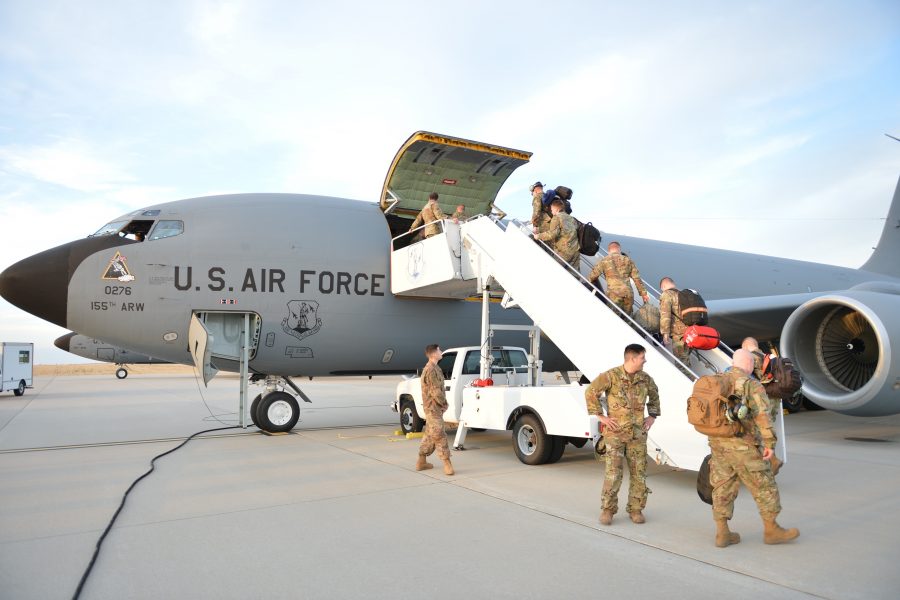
(707, 406)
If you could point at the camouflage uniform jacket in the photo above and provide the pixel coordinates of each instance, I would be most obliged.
(670, 322)
(460, 214)
(562, 235)
(433, 399)
(758, 360)
(617, 269)
(625, 398)
(429, 216)
(757, 428)
(539, 217)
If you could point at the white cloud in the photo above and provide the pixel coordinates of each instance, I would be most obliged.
(67, 162)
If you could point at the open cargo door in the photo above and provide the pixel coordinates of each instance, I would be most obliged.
(460, 171)
(200, 343)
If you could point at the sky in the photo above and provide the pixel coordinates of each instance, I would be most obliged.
(751, 126)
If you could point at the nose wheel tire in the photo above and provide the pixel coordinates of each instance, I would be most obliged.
(410, 421)
(277, 412)
(20, 389)
(121, 373)
(531, 443)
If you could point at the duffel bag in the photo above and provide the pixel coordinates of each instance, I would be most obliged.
(701, 337)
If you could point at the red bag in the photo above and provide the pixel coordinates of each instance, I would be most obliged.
(701, 337)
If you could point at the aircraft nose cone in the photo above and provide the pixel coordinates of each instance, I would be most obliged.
(63, 341)
(39, 284)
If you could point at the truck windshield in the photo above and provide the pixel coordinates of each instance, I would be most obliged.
(504, 360)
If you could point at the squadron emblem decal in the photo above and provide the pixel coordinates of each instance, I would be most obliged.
(117, 269)
(303, 319)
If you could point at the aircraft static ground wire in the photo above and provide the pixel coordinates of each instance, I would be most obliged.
(90, 567)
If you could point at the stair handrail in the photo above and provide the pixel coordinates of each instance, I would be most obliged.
(526, 228)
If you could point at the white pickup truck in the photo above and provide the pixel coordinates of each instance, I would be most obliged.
(543, 419)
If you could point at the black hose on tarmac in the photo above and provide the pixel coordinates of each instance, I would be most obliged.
(87, 571)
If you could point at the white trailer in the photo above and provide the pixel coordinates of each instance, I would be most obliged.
(16, 367)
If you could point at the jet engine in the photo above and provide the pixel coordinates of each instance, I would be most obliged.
(844, 344)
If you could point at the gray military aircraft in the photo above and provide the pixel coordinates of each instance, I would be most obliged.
(307, 281)
(94, 349)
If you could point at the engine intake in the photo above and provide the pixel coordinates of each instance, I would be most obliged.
(842, 344)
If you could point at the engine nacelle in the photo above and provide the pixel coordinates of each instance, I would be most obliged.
(844, 346)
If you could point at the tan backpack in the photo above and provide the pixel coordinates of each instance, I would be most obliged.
(708, 404)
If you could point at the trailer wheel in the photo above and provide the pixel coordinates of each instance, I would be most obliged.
(410, 421)
(559, 447)
(277, 412)
(530, 442)
(121, 373)
(20, 389)
(254, 406)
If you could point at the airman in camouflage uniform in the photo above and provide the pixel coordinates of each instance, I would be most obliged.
(628, 388)
(430, 215)
(759, 360)
(561, 234)
(460, 214)
(435, 403)
(670, 324)
(539, 217)
(619, 271)
(738, 459)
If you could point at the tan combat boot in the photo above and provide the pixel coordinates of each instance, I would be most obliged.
(422, 464)
(637, 517)
(775, 534)
(606, 517)
(776, 465)
(724, 536)
(448, 468)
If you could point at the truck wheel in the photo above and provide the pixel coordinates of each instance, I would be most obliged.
(121, 373)
(254, 406)
(410, 421)
(21, 389)
(530, 442)
(793, 404)
(556, 452)
(277, 412)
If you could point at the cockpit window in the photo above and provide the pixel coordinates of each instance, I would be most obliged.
(110, 228)
(166, 229)
(137, 230)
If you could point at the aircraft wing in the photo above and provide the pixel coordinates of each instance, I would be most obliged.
(761, 316)
(460, 171)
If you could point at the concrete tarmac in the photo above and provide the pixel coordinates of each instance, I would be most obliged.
(335, 509)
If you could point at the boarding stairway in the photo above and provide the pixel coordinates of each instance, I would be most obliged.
(583, 324)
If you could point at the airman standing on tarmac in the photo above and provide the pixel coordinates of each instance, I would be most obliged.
(430, 215)
(561, 234)
(619, 271)
(759, 360)
(539, 217)
(628, 388)
(739, 459)
(435, 403)
(670, 324)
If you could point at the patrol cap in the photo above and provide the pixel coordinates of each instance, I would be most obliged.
(536, 184)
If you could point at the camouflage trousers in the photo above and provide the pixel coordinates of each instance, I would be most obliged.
(679, 349)
(434, 437)
(735, 461)
(634, 451)
(622, 298)
(574, 261)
